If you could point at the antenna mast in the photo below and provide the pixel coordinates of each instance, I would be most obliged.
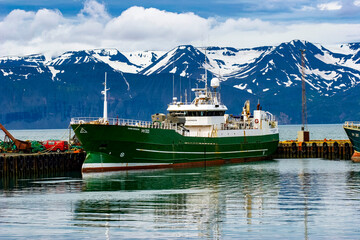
(180, 89)
(205, 71)
(173, 79)
(304, 111)
(105, 117)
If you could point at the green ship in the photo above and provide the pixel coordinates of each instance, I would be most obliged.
(352, 129)
(192, 134)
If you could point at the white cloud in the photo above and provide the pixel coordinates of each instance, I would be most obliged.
(93, 9)
(138, 23)
(357, 3)
(138, 28)
(331, 6)
(307, 8)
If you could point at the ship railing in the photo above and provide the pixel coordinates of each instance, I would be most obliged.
(123, 122)
(352, 124)
(236, 125)
(270, 117)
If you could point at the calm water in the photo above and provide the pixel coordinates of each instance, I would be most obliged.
(279, 199)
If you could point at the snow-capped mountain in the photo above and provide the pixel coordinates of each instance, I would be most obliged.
(188, 61)
(326, 73)
(33, 60)
(141, 81)
(185, 61)
(21, 68)
(112, 57)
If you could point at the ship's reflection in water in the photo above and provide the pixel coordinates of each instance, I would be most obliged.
(193, 203)
(280, 199)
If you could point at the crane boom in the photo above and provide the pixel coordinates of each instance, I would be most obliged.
(20, 145)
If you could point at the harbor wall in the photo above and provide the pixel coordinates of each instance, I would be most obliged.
(335, 149)
(30, 164)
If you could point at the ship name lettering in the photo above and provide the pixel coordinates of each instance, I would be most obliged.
(200, 143)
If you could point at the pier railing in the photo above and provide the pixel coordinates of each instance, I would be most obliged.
(352, 124)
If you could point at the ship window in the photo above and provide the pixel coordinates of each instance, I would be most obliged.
(177, 113)
(204, 113)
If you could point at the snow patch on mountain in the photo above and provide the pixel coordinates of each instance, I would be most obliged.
(117, 65)
(6, 73)
(341, 49)
(53, 72)
(328, 58)
(73, 57)
(143, 58)
(289, 82)
(226, 60)
(241, 86)
(327, 75)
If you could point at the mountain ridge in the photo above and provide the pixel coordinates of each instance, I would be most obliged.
(40, 92)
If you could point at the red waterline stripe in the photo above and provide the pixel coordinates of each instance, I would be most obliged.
(176, 165)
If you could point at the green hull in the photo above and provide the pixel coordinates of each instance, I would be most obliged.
(354, 136)
(112, 147)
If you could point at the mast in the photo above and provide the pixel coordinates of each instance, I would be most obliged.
(304, 111)
(173, 78)
(105, 117)
(205, 73)
(180, 89)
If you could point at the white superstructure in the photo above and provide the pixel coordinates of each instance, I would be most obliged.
(205, 116)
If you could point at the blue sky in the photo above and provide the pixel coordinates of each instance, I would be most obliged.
(54, 26)
(279, 10)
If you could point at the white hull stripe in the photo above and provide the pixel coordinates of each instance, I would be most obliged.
(109, 165)
(202, 153)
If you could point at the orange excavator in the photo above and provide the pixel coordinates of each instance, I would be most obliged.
(20, 145)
